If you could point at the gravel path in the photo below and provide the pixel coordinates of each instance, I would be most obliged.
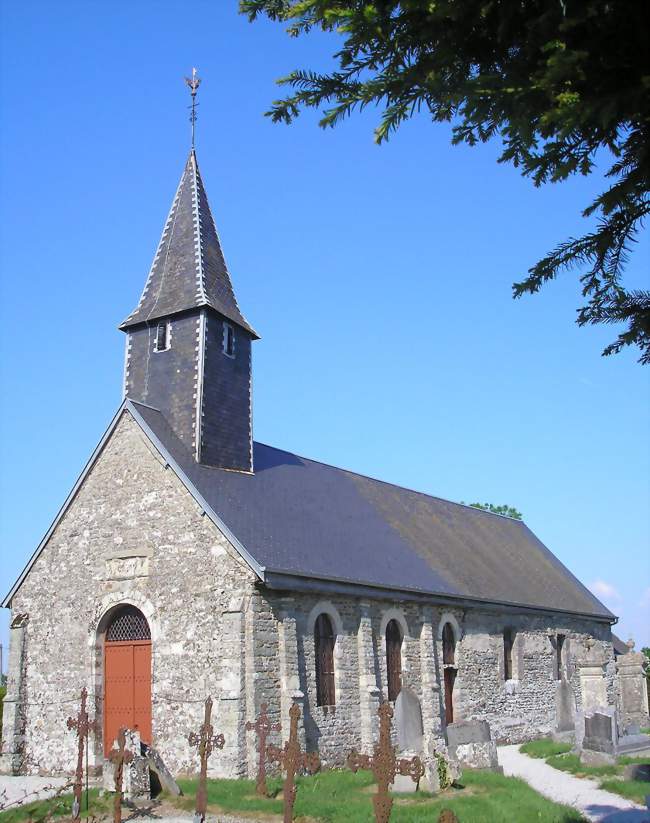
(27, 789)
(579, 792)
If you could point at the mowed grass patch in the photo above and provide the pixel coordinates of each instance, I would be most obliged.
(57, 807)
(343, 797)
(544, 747)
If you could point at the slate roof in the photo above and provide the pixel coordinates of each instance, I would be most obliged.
(189, 269)
(303, 518)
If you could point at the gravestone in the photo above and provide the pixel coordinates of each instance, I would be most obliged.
(157, 766)
(471, 744)
(135, 777)
(600, 742)
(408, 722)
(565, 707)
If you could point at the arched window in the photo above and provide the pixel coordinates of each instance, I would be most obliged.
(324, 639)
(448, 644)
(449, 666)
(128, 624)
(394, 659)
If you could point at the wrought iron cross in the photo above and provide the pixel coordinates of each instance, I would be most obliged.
(193, 82)
(83, 725)
(384, 765)
(205, 741)
(119, 757)
(292, 758)
(262, 726)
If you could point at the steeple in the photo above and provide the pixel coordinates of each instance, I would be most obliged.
(189, 270)
(188, 348)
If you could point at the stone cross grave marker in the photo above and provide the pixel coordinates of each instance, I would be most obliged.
(384, 765)
(408, 721)
(83, 725)
(262, 726)
(292, 759)
(205, 741)
(118, 758)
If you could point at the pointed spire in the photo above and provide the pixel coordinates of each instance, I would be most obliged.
(189, 270)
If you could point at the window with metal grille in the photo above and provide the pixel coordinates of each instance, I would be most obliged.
(128, 624)
(228, 340)
(508, 642)
(448, 645)
(393, 659)
(324, 639)
(162, 340)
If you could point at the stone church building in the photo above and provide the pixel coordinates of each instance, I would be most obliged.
(189, 560)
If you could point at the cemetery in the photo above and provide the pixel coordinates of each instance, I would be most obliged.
(220, 661)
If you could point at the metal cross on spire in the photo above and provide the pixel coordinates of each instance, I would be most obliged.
(193, 82)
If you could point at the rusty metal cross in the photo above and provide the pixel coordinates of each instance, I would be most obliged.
(119, 757)
(262, 726)
(205, 741)
(83, 725)
(384, 765)
(292, 759)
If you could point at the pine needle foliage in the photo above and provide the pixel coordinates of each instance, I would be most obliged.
(557, 81)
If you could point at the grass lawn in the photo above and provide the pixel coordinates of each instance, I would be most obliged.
(343, 797)
(610, 777)
(57, 807)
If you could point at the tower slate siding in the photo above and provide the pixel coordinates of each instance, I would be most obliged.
(167, 379)
(226, 435)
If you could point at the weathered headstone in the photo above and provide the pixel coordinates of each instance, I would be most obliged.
(408, 721)
(157, 766)
(471, 744)
(633, 687)
(637, 771)
(135, 780)
(565, 707)
(599, 745)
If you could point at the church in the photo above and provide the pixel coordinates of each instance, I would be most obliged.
(190, 560)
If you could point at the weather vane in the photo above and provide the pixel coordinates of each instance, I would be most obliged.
(193, 82)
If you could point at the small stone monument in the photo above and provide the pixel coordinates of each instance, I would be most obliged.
(135, 780)
(633, 687)
(471, 744)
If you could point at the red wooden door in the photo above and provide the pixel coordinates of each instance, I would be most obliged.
(127, 689)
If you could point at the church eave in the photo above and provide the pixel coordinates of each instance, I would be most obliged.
(134, 321)
(286, 581)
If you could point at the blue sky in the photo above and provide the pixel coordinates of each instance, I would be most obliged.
(378, 277)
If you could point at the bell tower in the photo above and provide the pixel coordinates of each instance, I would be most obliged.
(188, 346)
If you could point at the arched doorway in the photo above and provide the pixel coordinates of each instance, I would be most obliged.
(127, 675)
(449, 668)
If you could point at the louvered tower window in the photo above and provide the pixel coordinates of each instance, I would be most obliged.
(324, 639)
(228, 340)
(393, 659)
(129, 624)
(163, 336)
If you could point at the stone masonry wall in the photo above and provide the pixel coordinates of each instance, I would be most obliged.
(518, 709)
(133, 534)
